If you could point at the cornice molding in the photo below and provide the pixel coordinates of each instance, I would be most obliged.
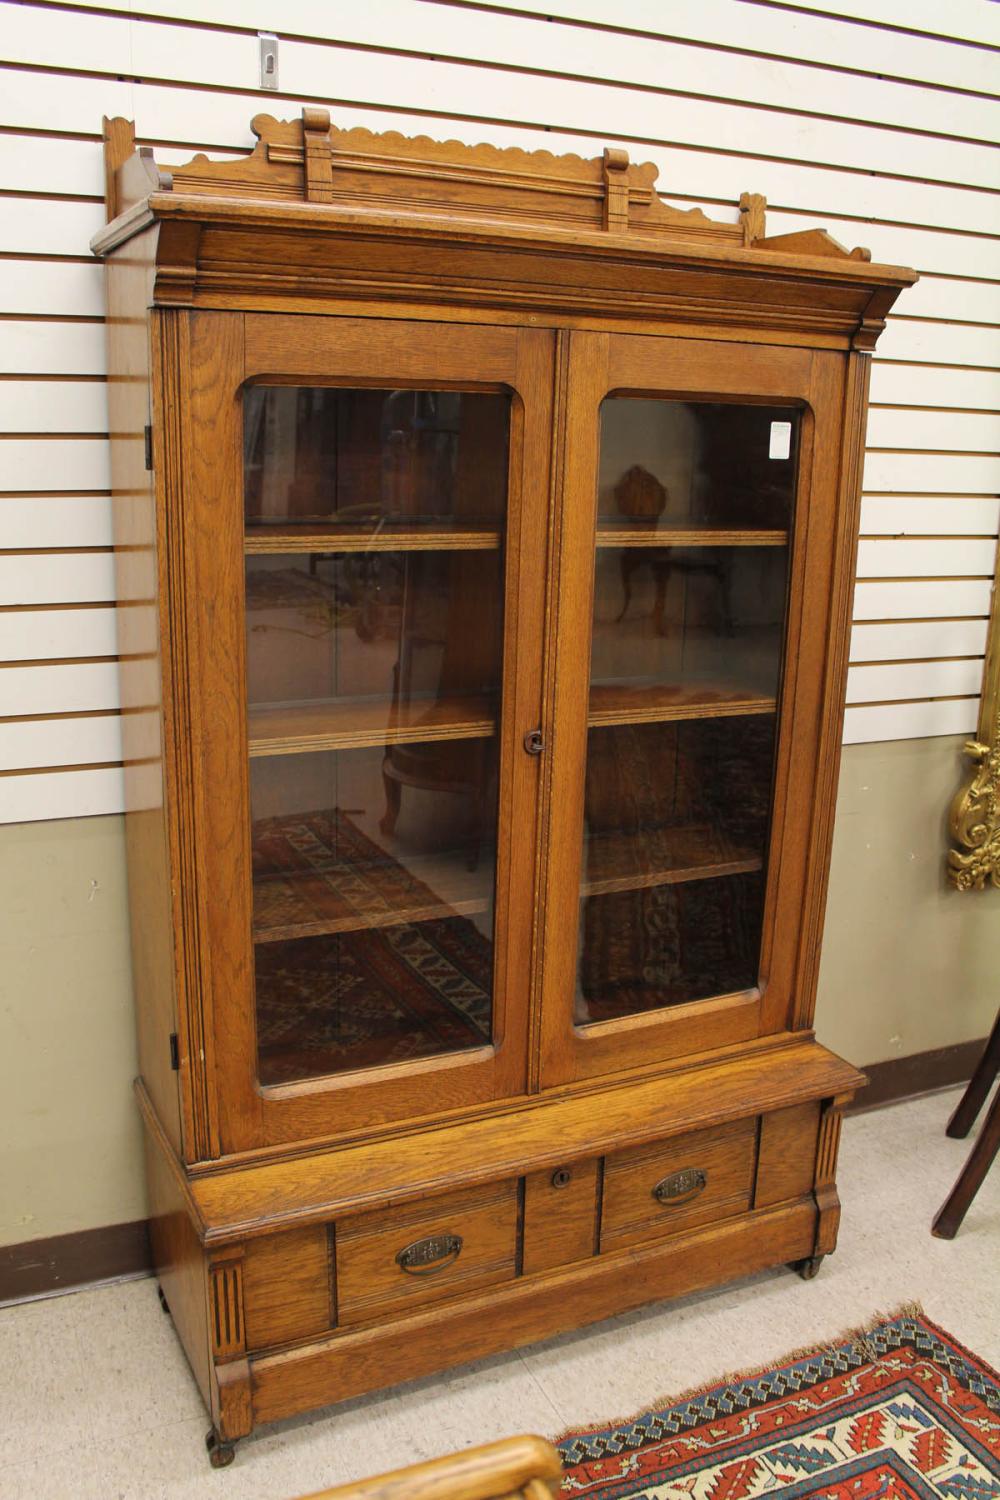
(320, 215)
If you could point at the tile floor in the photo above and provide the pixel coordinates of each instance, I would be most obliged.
(96, 1402)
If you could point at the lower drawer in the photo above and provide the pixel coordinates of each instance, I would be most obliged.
(393, 1259)
(676, 1184)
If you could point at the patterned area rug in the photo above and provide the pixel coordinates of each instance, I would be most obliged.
(900, 1411)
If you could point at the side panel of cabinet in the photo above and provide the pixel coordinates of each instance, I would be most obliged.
(844, 384)
(808, 709)
(216, 355)
(142, 620)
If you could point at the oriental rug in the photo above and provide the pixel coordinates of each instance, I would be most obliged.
(900, 1411)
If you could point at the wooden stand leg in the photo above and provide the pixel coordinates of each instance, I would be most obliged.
(946, 1224)
(980, 1084)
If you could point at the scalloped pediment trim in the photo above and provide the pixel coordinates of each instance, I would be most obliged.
(309, 160)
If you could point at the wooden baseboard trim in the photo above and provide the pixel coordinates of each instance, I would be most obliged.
(922, 1073)
(43, 1268)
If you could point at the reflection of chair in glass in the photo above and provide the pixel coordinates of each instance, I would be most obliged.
(641, 497)
(663, 565)
(448, 645)
(418, 441)
(460, 768)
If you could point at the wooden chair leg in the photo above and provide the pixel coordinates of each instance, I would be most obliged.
(980, 1084)
(946, 1224)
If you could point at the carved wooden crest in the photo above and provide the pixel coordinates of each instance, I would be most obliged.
(310, 160)
(317, 216)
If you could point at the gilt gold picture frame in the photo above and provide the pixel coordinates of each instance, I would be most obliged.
(974, 820)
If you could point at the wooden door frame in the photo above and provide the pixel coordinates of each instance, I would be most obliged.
(210, 357)
(810, 709)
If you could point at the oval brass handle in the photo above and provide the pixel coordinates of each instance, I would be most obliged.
(680, 1187)
(427, 1257)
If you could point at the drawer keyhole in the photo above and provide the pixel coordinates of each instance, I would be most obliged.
(561, 1177)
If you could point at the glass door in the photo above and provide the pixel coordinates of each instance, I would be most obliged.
(375, 522)
(372, 500)
(670, 779)
(694, 508)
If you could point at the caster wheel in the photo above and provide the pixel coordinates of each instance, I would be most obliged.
(809, 1267)
(164, 1304)
(220, 1454)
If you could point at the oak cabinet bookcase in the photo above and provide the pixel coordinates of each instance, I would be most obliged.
(484, 578)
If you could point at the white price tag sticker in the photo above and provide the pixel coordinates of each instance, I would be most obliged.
(781, 440)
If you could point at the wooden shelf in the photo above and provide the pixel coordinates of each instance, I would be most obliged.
(661, 856)
(345, 897)
(614, 534)
(353, 723)
(624, 704)
(392, 537)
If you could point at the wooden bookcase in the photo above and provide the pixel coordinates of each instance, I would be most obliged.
(485, 581)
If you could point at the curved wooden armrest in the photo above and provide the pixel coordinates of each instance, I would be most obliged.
(494, 1471)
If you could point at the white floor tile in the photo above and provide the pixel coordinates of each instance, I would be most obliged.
(44, 1400)
(137, 1373)
(70, 1475)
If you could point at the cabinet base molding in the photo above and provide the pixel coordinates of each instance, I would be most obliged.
(341, 1367)
(282, 1314)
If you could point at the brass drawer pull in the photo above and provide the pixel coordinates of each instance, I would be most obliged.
(680, 1187)
(427, 1257)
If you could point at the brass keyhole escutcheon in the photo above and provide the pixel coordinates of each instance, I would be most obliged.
(561, 1177)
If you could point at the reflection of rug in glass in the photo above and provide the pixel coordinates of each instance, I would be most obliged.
(648, 776)
(382, 995)
(668, 945)
(291, 588)
(365, 995)
(316, 872)
(900, 1411)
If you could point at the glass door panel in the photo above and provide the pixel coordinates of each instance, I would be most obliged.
(690, 585)
(374, 525)
(676, 465)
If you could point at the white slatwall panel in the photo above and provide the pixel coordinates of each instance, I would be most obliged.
(877, 118)
(40, 634)
(55, 521)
